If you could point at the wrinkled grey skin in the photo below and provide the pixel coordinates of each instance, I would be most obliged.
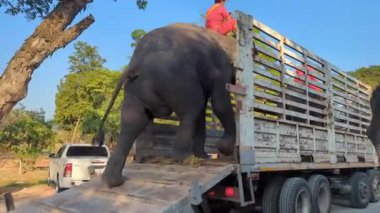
(175, 69)
(373, 131)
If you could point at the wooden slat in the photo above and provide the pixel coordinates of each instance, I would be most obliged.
(296, 104)
(321, 111)
(267, 52)
(304, 116)
(339, 86)
(267, 85)
(316, 83)
(313, 56)
(295, 66)
(268, 96)
(268, 64)
(267, 74)
(267, 30)
(295, 94)
(339, 101)
(265, 40)
(339, 93)
(293, 74)
(292, 55)
(320, 102)
(317, 93)
(268, 108)
(294, 45)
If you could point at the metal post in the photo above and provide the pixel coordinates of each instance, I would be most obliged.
(244, 77)
(9, 203)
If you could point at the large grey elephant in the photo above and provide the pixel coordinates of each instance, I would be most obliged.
(176, 68)
(373, 131)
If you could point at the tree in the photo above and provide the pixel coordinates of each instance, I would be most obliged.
(53, 33)
(84, 96)
(369, 75)
(26, 134)
(85, 58)
(137, 36)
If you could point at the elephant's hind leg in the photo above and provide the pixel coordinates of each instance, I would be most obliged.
(200, 138)
(222, 107)
(133, 120)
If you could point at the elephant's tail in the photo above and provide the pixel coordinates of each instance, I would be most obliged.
(99, 137)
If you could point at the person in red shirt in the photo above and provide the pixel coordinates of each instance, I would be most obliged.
(218, 19)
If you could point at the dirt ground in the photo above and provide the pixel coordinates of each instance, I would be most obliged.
(24, 187)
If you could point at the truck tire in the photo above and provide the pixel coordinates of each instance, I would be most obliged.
(360, 194)
(271, 195)
(374, 183)
(320, 193)
(295, 196)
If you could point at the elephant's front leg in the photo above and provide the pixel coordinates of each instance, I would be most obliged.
(133, 120)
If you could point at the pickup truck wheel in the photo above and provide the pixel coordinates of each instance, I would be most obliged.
(295, 196)
(361, 193)
(320, 193)
(271, 194)
(57, 187)
(374, 183)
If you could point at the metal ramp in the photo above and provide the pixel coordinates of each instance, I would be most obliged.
(149, 188)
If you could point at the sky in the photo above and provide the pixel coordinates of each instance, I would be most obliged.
(344, 32)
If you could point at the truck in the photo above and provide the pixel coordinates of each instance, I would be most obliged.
(75, 164)
(301, 124)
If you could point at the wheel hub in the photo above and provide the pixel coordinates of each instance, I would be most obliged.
(364, 190)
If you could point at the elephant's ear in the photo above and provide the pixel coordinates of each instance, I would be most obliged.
(98, 139)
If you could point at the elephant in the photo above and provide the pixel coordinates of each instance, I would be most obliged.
(373, 131)
(175, 68)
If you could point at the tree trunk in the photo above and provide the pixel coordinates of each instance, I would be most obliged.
(53, 33)
(75, 130)
(19, 166)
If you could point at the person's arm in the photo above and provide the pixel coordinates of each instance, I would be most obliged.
(224, 13)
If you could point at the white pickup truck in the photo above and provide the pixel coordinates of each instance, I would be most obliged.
(74, 164)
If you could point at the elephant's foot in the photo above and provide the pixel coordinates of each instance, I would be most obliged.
(180, 150)
(201, 154)
(193, 161)
(226, 146)
(179, 154)
(113, 180)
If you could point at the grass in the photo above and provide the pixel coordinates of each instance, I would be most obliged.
(11, 181)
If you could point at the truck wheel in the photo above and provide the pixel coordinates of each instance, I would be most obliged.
(374, 183)
(361, 192)
(320, 193)
(271, 194)
(295, 196)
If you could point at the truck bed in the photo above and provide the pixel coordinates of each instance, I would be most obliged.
(149, 188)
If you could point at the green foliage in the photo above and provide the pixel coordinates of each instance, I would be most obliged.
(33, 9)
(137, 36)
(85, 96)
(369, 75)
(26, 134)
(141, 4)
(86, 58)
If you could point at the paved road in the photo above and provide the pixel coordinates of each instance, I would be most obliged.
(343, 207)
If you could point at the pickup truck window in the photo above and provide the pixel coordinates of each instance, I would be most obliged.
(60, 151)
(74, 151)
